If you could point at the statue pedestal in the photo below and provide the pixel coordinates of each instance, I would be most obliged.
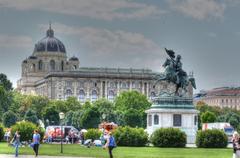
(173, 111)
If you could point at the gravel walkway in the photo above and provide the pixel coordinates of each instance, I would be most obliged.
(32, 156)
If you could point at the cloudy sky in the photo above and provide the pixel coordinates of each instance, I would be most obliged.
(128, 33)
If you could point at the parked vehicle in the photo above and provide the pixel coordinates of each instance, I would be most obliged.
(55, 133)
(225, 126)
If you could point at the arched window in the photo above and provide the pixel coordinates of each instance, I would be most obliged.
(52, 65)
(149, 120)
(156, 119)
(153, 95)
(68, 93)
(133, 85)
(62, 65)
(40, 65)
(81, 96)
(33, 67)
(124, 85)
(111, 95)
(94, 95)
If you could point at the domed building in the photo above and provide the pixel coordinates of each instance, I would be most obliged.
(49, 72)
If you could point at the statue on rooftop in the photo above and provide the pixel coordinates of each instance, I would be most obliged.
(175, 74)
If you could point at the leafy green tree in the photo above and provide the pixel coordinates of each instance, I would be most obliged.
(131, 108)
(76, 119)
(5, 100)
(106, 110)
(7, 85)
(60, 105)
(133, 118)
(9, 118)
(52, 115)
(72, 104)
(68, 120)
(31, 117)
(90, 117)
(20, 104)
(132, 99)
(232, 117)
(38, 104)
(208, 117)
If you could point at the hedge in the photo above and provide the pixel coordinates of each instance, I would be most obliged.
(25, 129)
(128, 136)
(168, 137)
(93, 134)
(211, 139)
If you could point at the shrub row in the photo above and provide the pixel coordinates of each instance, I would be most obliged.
(26, 130)
(127, 136)
(92, 134)
(211, 139)
(168, 137)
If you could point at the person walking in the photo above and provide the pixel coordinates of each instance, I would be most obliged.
(16, 142)
(236, 145)
(7, 136)
(111, 144)
(36, 142)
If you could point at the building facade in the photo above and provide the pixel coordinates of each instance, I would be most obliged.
(221, 97)
(49, 72)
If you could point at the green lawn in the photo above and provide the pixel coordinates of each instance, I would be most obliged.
(123, 152)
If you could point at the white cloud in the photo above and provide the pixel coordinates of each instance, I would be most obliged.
(7, 41)
(199, 9)
(132, 48)
(98, 9)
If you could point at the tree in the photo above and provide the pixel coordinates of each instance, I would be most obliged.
(9, 119)
(133, 118)
(132, 99)
(131, 108)
(90, 117)
(52, 115)
(5, 100)
(7, 85)
(20, 104)
(208, 117)
(68, 120)
(72, 104)
(38, 103)
(31, 117)
(76, 119)
(106, 110)
(60, 105)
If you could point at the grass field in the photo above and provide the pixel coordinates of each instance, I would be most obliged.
(123, 152)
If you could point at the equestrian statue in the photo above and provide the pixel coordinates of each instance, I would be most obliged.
(175, 74)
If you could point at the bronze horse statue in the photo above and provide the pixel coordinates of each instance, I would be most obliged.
(175, 74)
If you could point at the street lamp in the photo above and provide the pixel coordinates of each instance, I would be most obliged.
(61, 116)
(47, 122)
(103, 116)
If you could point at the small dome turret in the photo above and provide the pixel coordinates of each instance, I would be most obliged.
(73, 59)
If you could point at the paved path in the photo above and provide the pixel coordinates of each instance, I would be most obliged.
(32, 156)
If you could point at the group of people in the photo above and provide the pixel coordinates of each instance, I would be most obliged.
(35, 142)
